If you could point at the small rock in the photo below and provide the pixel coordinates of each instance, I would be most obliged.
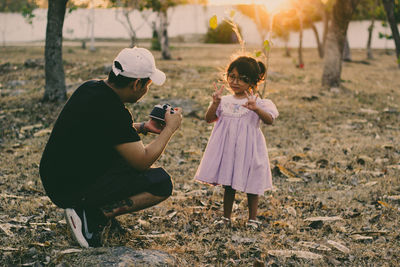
(119, 256)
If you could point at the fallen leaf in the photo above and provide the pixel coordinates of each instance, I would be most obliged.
(281, 224)
(359, 237)
(6, 228)
(143, 223)
(362, 159)
(291, 211)
(370, 233)
(294, 180)
(397, 197)
(158, 235)
(387, 146)
(30, 127)
(172, 214)
(243, 240)
(71, 250)
(339, 246)
(371, 183)
(42, 133)
(11, 110)
(313, 219)
(286, 172)
(45, 244)
(8, 249)
(43, 224)
(314, 246)
(297, 253)
(384, 204)
(393, 167)
(322, 163)
(368, 111)
(10, 196)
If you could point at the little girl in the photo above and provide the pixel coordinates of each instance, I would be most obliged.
(236, 154)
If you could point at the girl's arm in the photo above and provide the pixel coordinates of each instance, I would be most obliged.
(251, 104)
(264, 116)
(211, 114)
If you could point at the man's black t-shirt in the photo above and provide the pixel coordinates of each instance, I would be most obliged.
(81, 145)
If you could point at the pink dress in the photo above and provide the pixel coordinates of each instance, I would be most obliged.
(236, 154)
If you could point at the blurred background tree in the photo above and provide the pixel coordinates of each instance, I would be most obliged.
(128, 9)
(392, 13)
(223, 34)
(298, 15)
(342, 13)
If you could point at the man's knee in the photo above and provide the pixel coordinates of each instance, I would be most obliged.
(162, 189)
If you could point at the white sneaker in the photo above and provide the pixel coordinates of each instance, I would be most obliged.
(78, 223)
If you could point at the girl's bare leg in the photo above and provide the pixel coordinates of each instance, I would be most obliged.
(229, 197)
(253, 205)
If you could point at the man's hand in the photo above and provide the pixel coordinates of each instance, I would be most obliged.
(153, 126)
(173, 121)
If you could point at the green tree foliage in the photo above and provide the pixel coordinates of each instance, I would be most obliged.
(223, 34)
(131, 4)
(17, 5)
(25, 7)
(364, 11)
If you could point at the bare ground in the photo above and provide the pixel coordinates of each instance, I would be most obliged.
(335, 155)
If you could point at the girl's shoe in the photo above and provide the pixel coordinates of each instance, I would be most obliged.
(254, 224)
(226, 220)
(223, 220)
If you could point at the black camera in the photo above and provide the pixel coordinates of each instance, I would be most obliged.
(158, 112)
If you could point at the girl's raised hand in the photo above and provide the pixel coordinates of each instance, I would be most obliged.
(217, 94)
(251, 101)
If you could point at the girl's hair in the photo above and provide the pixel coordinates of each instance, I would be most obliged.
(254, 70)
(121, 81)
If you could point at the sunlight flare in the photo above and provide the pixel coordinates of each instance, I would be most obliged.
(272, 6)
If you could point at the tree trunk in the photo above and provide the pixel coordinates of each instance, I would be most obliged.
(300, 50)
(341, 15)
(55, 89)
(164, 35)
(319, 45)
(131, 30)
(326, 18)
(4, 29)
(389, 9)
(287, 49)
(155, 40)
(346, 50)
(92, 47)
(371, 30)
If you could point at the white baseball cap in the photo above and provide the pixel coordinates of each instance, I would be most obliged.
(138, 63)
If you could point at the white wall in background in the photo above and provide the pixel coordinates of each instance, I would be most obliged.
(184, 20)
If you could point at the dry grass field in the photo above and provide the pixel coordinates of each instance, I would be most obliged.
(335, 154)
